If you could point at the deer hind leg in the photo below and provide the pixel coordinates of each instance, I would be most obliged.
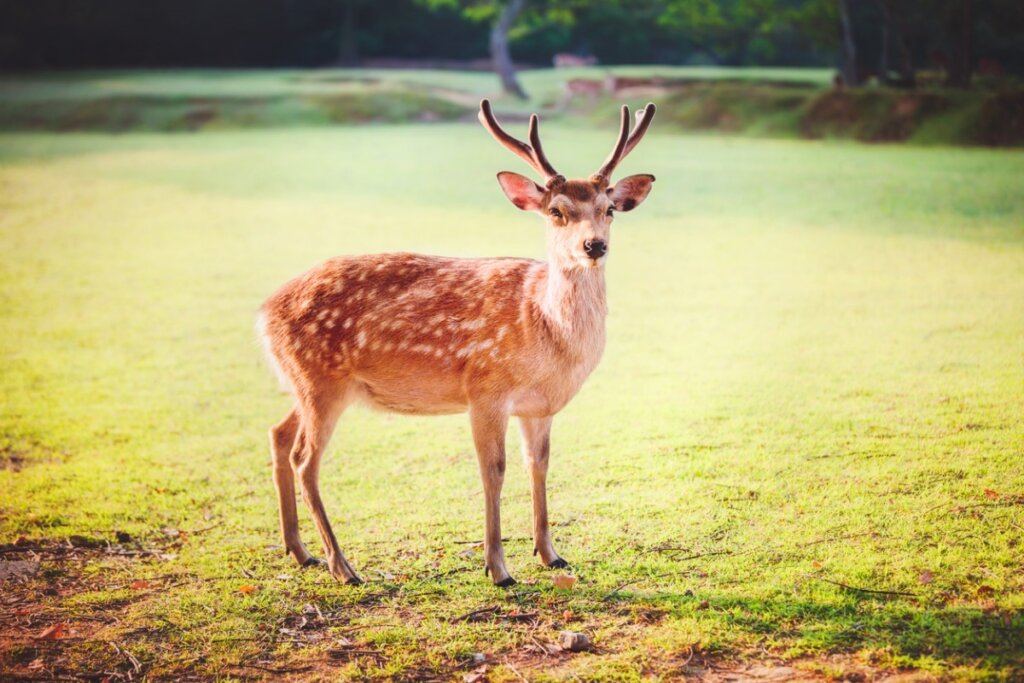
(315, 428)
(536, 434)
(282, 439)
(489, 423)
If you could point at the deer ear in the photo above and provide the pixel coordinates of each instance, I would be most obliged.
(521, 191)
(630, 191)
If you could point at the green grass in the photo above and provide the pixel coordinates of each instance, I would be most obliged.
(813, 374)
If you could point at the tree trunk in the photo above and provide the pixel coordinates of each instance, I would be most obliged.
(908, 78)
(500, 55)
(883, 59)
(349, 51)
(849, 47)
(961, 34)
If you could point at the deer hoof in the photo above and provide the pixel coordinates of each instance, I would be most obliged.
(354, 581)
(312, 562)
(558, 563)
(506, 583)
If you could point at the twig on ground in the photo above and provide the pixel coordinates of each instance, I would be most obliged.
(468, 616)
(127, 655)
(277, 670)
(516, 672)
(630, 583)
(836, 538)
(859, 589)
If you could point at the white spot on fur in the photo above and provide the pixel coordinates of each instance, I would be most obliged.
(361, 339)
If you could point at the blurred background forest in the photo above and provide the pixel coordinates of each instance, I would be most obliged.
(886, 39)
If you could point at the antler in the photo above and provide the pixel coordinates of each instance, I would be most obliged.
(533, 154)
(626, 142)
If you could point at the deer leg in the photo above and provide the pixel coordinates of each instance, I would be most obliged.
(489, 422)
(282, 438)
(536, 434)
(314, 433)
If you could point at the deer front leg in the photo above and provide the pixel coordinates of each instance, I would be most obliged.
(536, 433)
(489, 422)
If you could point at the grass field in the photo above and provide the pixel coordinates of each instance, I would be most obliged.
(803, 449)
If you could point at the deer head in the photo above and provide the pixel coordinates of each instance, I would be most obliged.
(578, 213)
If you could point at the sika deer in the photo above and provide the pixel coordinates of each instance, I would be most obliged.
(429, 335)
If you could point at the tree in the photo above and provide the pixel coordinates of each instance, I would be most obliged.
(510, 19)
(500, 54)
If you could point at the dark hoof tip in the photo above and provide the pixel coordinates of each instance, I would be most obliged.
(354, 581)
(506, 583)
(311, 562)
(559, 564)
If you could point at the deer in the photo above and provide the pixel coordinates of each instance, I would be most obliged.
(429, 335)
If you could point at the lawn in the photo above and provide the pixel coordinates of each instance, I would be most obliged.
(802, 450)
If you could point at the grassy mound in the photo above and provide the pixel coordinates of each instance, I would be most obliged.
(981, 117)
(119, 113)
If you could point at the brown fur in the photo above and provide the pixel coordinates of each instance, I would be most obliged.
(429, 335)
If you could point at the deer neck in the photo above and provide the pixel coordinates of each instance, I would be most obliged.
(575, 304)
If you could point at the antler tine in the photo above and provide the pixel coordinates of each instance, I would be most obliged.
(534, 155)
(643, 122)
(605, 172)
(627, 140)
(538, 151)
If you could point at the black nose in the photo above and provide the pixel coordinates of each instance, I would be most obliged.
(595, 248)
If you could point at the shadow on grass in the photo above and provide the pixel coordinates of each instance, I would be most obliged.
(906, 628)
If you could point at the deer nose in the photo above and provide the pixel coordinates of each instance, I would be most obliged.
(595, 249)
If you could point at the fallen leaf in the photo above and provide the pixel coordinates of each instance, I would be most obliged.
(139, 585)
(53, 632)
(567, 615)
(986, 591)
(476, 675)
(926, 577)
(991, 495)
(247, 588)
(566, 581)
(704, 605)
(989, 606)
(816, 565)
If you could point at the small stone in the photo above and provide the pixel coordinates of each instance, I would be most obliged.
(573, 641)
(18, 569)
(564, 581)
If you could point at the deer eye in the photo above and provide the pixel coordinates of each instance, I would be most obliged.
(610, 211)
(555, 213)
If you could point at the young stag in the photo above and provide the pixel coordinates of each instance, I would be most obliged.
(429, 335)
